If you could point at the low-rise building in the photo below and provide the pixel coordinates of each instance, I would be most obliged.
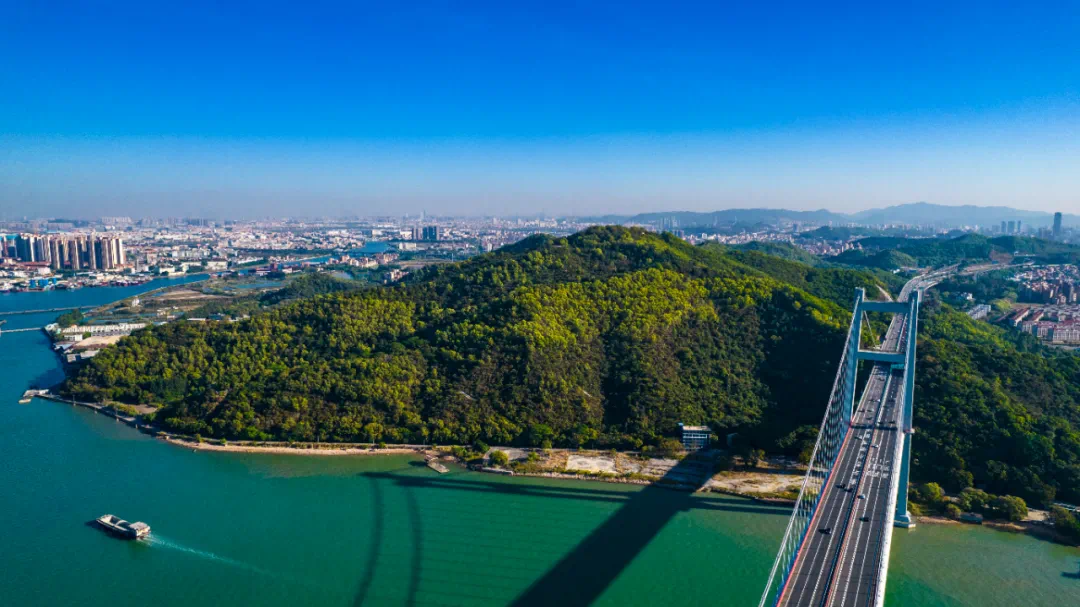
(695, 438)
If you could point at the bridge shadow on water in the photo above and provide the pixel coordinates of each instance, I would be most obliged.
(585, 572)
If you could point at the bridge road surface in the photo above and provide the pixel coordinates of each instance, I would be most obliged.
(855, 577)
(828, 561)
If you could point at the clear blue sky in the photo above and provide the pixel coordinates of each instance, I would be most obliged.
(265, 108)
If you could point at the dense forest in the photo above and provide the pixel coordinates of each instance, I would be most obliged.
(607, 338)
(610, 337)
(995, 409)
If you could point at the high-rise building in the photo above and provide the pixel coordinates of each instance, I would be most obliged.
(1003, 231)
(1019, 226)
(56, 260)
(1012, 227)
(1057, 225)
(68, 252)
(432, 233)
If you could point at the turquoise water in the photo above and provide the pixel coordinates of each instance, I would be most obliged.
(256, 529)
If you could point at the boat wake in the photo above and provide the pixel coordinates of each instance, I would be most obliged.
(156, 540)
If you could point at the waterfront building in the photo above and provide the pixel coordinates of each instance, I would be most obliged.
(695, 438)
(124, 328)
(74, 252)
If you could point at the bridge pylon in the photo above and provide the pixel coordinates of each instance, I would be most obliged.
(902, 356)
(885, 505)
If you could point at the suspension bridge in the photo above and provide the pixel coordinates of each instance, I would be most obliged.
(835, 550)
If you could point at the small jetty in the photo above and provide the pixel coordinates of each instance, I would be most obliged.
(121, 528)
(30, 394)
(434, 464)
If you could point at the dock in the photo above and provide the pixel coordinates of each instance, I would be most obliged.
(30, 395)
(434, 464)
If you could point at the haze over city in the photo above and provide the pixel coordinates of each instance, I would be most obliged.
(223, 111)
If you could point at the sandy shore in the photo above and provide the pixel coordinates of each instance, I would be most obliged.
(301, 449)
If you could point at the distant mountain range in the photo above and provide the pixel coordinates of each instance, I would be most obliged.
(921, 213)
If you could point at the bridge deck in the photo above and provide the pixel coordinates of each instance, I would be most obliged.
(838, 562)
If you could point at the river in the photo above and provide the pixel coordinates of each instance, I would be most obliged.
(253, 529)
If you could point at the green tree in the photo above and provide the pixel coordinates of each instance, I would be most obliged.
(1009, 507)
(1066, 523)
(953, 511)
(973, 500)
(930, 494)
(69, 319)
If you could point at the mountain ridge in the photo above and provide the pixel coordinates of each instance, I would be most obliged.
(923, 213)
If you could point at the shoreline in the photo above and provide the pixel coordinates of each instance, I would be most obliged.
(323, 449)
(361, 449)
(1030, 528)
(318, 449)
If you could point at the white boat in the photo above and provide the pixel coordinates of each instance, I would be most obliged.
(122, 528)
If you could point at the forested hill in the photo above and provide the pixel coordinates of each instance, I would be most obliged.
(995, 409)
(608, 338)
(889, 253)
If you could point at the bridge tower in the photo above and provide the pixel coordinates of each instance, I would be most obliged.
(903, 357)
(903, 517)
(897, 355)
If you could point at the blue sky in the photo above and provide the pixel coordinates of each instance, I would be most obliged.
(266, 108)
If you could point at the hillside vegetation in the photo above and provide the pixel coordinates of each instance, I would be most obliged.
(610, 337)
(890, 253)
(996, 410)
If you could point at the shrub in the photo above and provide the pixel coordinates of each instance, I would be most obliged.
(499, 458)
(669, 447)
(953, 511)
(973, 500)
(1066, 523)
(754, 457)
(929, 494)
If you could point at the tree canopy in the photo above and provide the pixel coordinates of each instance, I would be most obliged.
(608, 338)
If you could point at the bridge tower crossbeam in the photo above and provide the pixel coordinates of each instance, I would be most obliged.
(903, 358)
